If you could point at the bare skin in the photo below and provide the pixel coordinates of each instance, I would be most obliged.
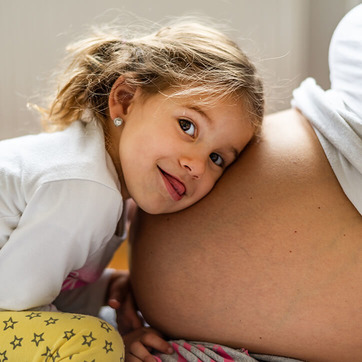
(270, 260)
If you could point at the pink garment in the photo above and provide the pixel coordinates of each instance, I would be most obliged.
(191, 351)
(203, 352)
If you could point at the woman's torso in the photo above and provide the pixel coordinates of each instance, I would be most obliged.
(269, 261)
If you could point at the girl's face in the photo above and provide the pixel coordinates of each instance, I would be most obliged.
(172, 152)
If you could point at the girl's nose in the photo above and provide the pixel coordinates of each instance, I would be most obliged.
(194, 166)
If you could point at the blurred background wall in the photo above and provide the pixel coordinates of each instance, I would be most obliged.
(288, 39)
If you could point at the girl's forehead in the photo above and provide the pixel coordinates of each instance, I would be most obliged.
(204, 101)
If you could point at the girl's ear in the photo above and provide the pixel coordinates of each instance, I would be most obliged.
(120, 98)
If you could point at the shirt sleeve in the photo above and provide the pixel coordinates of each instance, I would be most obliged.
(63, 223)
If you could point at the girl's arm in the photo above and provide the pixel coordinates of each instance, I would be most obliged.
(120, 298)
(139, 340)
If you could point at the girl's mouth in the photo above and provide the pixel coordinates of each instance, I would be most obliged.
(174, 186)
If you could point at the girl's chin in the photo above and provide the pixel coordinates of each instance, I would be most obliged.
(162, 208)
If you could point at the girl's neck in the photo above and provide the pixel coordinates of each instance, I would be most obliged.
(112, 139)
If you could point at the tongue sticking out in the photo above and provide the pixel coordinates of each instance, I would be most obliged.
(176, 184)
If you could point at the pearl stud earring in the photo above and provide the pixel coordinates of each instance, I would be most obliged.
(118, 121)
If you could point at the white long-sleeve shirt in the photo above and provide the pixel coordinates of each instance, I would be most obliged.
(336, 114)
(60, 203)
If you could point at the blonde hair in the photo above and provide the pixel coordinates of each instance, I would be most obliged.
(189, 57)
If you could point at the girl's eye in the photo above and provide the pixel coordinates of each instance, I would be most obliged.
(217, 159)
(187, 126)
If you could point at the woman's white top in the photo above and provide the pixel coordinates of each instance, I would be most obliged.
(60, 204)
(336, 114)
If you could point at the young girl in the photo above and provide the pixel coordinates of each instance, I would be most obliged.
(157, 119)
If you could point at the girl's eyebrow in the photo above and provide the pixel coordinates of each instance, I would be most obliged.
(201, 113)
